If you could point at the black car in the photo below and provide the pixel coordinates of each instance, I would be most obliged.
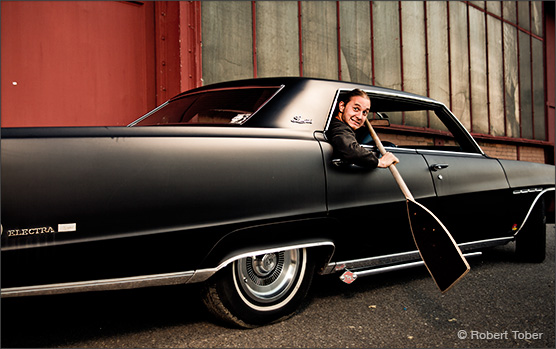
(235, 185)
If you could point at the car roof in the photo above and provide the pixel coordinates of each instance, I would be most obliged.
(292, 82)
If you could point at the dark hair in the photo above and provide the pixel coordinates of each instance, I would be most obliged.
(354, 93)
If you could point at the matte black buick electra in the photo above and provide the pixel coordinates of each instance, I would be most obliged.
(234, 185)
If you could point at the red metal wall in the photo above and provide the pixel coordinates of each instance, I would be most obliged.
(73, 63)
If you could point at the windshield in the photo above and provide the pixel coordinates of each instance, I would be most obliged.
(216, 107)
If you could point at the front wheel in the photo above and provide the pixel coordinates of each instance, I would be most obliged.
(261, 289)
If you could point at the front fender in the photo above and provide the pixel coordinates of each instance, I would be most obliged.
(548, 196)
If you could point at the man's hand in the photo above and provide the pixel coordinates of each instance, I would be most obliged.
(387, 159)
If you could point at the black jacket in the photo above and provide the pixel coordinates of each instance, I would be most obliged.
(346, 147)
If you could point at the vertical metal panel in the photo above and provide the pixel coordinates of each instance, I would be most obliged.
(300, 40)
(355, 31)
(341, 61)
(68, 63)
(167, 50)
(495, 77)
(511, 83)
(320, 55)
(277, 38)
(414, 54)
(509, 10)
(254, 39)
(227, 40)
(414, 45)
(494, 7)
(536, 18)
(479, 4)
(523, 18)
(477, 53)
(459, 62)
(538, 89)
(386, 48)
(438, 58)
(526, 106)
(190, 37)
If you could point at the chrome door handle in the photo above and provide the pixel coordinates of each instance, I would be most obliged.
(437, 167)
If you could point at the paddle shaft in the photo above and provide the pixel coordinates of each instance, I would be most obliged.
(393, 169)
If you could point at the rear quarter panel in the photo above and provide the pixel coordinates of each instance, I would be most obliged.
(147, 204)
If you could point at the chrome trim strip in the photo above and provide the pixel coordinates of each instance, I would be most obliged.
(531, 208)
(403, 258)
(527, 191)
(373, 261)
(359, 274)
(100, 285)
(204, 274)
(279, 88)
(447, 152)
(133, 123)
(378, 264)
(186, 277)
(475, 245)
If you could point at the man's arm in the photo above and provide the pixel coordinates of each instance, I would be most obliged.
(347, 148)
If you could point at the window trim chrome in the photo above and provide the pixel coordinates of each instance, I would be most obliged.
(277, 87)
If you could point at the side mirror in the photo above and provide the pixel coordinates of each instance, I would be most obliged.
(380, 119)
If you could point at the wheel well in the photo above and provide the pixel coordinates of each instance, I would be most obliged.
(312, 234)
(545, 198)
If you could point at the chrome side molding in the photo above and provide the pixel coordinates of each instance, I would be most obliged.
(178, 278)
(405, 259)
(349, 277)
(100, 285)
(363, 267)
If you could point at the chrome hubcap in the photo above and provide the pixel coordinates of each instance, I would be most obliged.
(266, 278)
(263, 266)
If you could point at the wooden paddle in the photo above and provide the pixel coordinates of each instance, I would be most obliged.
(437, 247)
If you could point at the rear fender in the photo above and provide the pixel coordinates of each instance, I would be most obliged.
(313, 233)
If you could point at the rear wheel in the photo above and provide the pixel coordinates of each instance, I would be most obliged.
(261, 289)
(531, 240)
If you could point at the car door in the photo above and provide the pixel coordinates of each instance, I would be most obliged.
(471, 189)
(369, 205)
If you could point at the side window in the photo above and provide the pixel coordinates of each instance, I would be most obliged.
(414, 124)
(435, 137)
(213, 107)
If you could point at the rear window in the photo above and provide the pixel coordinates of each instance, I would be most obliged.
(216, 107)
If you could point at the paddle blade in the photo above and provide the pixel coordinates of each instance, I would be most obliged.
(437, 247)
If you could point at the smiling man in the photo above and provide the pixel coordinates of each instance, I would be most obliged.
(352, 112)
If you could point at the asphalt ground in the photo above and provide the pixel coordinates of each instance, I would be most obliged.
(501, 303)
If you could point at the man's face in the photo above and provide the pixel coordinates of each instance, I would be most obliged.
(355, 111)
